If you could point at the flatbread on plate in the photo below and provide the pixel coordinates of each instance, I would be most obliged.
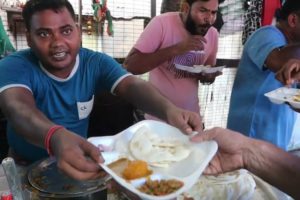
(160, 152)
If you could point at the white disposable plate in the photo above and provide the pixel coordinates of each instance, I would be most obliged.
(188, 170)
(284, 95)
(200, 68)
(198, 52)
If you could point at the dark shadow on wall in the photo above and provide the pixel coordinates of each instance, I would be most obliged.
(230, 63)
(3, 140)
(110, 115)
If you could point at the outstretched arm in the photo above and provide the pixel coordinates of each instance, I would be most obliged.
(19, 107)
(277, 167)
(147, 98)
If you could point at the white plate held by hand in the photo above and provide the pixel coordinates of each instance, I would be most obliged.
(187, 170)
(200, 68)
(284, 95)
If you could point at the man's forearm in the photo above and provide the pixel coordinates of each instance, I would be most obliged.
(149, 98)
(19, 109)
(279, 168)
(139, 63)
(33, 127)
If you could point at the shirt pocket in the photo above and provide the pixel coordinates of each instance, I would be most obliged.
(85, 108)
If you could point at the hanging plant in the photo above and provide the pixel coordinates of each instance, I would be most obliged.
(101, 13)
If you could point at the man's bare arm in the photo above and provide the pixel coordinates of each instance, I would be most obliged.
(18, 105)
(279, 56)
(139, 63)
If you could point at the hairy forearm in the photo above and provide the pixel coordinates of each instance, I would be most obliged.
(277, 167)
(24, 117)
(139, 63)
(149, 98)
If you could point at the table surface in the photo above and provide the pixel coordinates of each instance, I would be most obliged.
(116, 196)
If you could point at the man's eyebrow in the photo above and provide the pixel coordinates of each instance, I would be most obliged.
(42, 29)
(206, 9)
(66, 26)
(49, 29)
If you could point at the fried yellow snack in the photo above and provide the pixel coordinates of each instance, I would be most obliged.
(296, 98)
(136, 169)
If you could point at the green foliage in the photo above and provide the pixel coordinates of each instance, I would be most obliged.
(6, 46)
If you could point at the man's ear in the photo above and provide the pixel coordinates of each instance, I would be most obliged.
(293, 20)
(28, 38)
(184, 7)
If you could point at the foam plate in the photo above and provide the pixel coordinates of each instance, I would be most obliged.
(200, 68)
(188, 170)
(284, 95)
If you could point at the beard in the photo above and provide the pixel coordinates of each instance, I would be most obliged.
(196, 29)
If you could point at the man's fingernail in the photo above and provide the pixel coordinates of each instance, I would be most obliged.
(188, 130)
(194, 133)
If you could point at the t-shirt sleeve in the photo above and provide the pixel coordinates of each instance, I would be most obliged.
(262, 43)
(109, 73)
(14, 73)
(213, 38)
(151, 38)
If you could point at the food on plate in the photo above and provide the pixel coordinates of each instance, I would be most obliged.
(160, 187)
(130, 169)
(201, 65)
(207, 69)
(296, 97)
(136, 169)
(157, 151)
(118, 166)
(233, 185)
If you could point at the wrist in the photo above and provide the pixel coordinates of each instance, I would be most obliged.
(176, 50)
(170, 112)
(252, 154)
(47, 141)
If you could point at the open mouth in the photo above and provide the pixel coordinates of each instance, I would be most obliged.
(59, 55)
(202, 30)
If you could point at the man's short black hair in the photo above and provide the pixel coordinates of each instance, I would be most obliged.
(33, 6)
(290, 6)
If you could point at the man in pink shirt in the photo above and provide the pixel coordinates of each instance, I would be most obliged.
(178, 38)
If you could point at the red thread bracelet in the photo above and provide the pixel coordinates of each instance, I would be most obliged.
(49, 134)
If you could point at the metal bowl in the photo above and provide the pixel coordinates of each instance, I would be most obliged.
(43, 180)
